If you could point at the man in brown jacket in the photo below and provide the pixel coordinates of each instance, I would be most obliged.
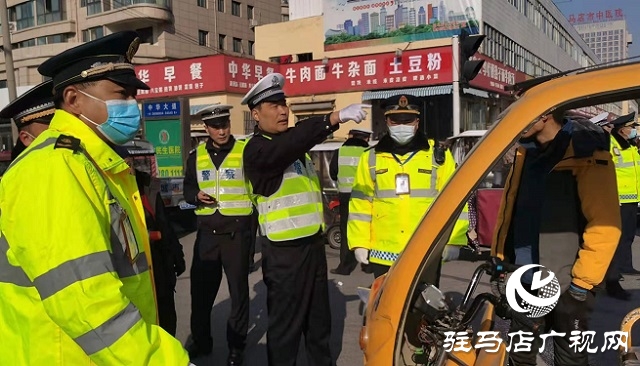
(560, 210)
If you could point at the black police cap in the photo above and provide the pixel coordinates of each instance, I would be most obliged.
(36, 105)
(401, 104)
(628, 120)
(108, 58)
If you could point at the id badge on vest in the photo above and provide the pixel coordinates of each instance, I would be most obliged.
(129, 237)
(402, 184)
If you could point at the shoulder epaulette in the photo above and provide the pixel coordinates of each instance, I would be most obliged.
(67, 142)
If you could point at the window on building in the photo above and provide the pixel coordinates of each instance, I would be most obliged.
(92, 34)
(93, 6)
(23, 15)
(249, 123)
(249, 12)
(146, 35)
(49, 11)
(251, 50)
(235, 8)
(237, 45)
(221, 6)
(285, 17)
(3, 83)
(202, 3)
(222, 41)
(203, 38)
(303, 57)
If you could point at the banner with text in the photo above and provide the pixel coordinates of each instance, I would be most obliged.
(203, 75)
(494, 75)
(424, 67)
(376, 22)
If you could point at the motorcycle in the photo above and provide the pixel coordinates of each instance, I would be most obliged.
(438, 320)
(333, 225)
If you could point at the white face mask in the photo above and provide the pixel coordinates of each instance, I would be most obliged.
(402, 134)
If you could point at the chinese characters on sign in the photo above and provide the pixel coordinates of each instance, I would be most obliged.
(378, 71)
(161, 109)
(599, 16)
(495, 76)
(521, 341)
(201, 75)
(166, 137)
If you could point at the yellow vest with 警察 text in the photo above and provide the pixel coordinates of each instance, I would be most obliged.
(627, 163)
(226, 184)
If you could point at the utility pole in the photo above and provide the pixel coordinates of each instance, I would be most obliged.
(8, 61)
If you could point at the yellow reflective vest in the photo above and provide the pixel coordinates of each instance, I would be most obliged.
(226, 184)
(295, 210)
(381, 220)
(75, 279)
(627, 172)
(460, 229)
(348, 158)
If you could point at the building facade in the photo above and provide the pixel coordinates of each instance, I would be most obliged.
(409, 49)
(169, 29)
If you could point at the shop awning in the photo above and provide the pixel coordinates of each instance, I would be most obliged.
(476, 92)
(428, 91)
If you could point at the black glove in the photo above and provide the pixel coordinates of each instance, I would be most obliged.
(180, 266)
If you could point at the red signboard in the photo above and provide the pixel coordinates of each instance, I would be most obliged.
(494, 76)
(415, 68)
(201, 75)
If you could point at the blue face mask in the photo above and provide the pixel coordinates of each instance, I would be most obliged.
(123, 120)
(633, 134)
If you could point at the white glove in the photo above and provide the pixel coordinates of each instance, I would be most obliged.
(362, 255)
(353, 112)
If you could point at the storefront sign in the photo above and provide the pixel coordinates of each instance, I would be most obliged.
(494, 76)
(598, 16)
(166, 137)
(161, 109)
(203, 75)
(424, 67)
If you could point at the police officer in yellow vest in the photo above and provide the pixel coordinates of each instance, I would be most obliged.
(75, 282)
(627, 161)
(343, 169)
(395, 184)
(214, 182)
(289, 200)
(33, 117)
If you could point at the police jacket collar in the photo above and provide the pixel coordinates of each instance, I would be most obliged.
(388, 145)
(106, 158)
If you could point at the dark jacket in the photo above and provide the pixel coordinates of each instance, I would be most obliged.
(579, 224)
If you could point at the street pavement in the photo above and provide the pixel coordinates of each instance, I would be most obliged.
(345, 309)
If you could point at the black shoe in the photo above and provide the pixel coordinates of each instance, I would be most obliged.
(341, 271)
(196, 351)
(630, 271)
(616, 291)
(235, 358)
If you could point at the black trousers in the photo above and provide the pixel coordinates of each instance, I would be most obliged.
(254, 232)
(347, 257)
(568, 315)
(622, 259)
(212, 254)
(295, 273)
(165, 284)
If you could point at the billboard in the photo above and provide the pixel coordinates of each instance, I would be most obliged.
(364, 23)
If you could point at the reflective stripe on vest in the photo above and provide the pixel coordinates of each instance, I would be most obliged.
(627, 172)
(226, 184)
(294, 211)
(348, 158)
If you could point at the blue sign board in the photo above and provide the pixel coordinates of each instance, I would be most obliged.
(161, 109)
